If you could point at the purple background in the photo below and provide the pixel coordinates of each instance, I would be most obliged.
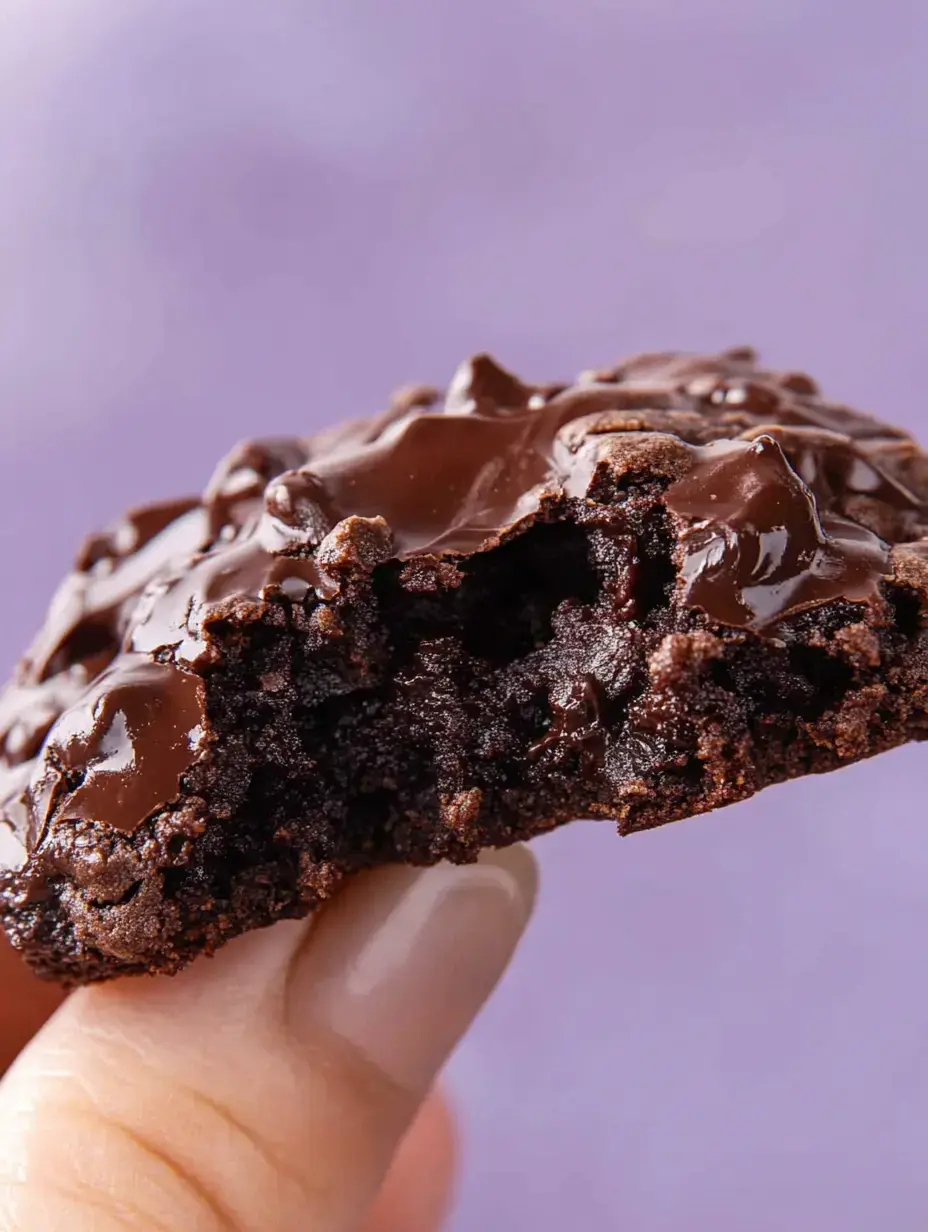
(225, 218)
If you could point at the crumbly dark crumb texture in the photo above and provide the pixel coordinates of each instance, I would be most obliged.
(639, 597)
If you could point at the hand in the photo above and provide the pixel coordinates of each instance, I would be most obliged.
(273, 1087)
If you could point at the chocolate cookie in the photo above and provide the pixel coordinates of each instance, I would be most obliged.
(640, 596)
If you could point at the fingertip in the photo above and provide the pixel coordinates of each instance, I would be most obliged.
(404, 959)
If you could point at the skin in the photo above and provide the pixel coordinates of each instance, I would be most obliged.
(287, 1084)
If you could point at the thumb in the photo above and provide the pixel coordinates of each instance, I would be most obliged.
(270, 1087)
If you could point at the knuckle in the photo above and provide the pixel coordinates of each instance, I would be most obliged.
(357, 1082)
(137, 1178)
(137, 1148)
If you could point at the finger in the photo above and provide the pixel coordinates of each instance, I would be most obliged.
(271, 1087)
(417, 1192)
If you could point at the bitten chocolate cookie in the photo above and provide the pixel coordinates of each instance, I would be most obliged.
(640, 596)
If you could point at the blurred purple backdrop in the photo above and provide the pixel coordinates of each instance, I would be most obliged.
(227, 218)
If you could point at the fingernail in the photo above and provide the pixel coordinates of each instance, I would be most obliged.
(403, 959)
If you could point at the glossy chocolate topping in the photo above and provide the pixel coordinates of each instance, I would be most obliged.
(130, 738)
(762, 545)
(783, 500)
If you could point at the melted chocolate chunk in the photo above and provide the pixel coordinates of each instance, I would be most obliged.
(127, 744)
(760, 546)
(556, 565)
(576, 723)
(301, 504)
(91, 610)
(239, 481)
